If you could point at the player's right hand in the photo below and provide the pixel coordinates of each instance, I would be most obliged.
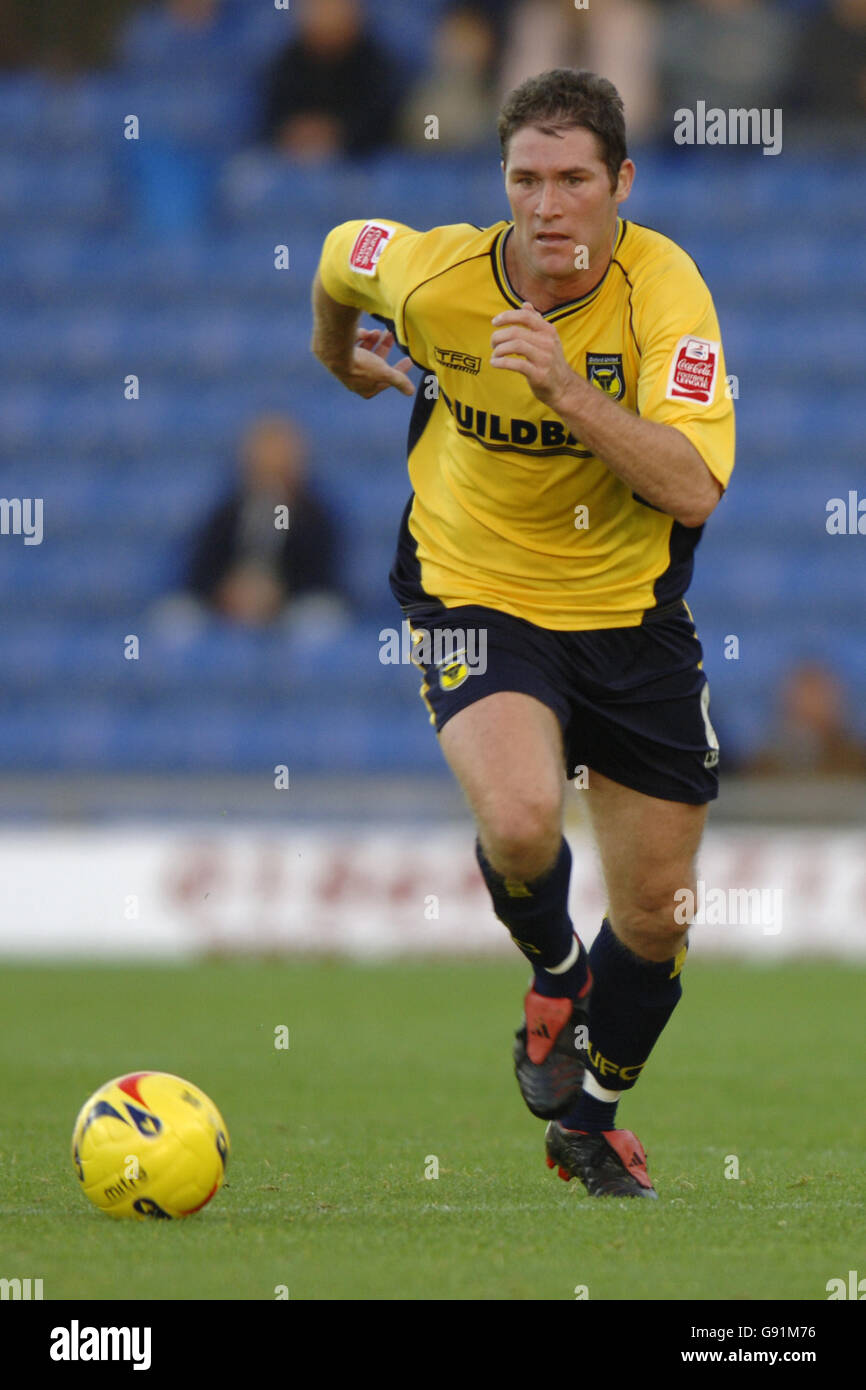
(369, 373)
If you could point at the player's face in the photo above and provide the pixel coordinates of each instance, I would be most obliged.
(561, 199)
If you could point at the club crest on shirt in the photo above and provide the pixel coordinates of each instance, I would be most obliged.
(604, 370)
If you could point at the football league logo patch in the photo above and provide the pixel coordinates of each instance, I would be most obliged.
(369, 245)
(604, 370)
(693, 371)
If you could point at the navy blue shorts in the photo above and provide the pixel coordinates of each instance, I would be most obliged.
(632, 702)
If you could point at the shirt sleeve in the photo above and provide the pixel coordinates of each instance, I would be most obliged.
(369, 266)
(682, 379)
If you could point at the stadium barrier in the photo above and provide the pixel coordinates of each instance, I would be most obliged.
(148, 893)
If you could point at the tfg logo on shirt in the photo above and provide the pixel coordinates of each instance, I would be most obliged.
(76, 1343)
(458, 361)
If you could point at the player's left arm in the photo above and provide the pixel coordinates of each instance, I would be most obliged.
(655, 460)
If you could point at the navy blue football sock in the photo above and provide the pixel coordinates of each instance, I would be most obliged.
(536, 915)
(630, 1002)
(591, 1115)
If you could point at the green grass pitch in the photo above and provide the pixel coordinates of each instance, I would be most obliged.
(389, 1065)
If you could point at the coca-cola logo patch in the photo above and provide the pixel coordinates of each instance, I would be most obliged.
(693, 371)
(369, 245)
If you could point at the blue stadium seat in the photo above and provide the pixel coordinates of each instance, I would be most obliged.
(76, 189)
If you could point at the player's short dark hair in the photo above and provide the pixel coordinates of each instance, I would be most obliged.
(565, 98)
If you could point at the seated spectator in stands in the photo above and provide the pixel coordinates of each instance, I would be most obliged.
(624, 46)
(617, 39)
(333, 89)
(195, 16)
(829, 77)
(21, 44)
(459, 91)
(249, 568)
(61, 38)
(174, 169)
(728, 53)
(175, 32)
(814, 737)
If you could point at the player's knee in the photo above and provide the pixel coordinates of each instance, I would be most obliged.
(522, 839)
(650, 923)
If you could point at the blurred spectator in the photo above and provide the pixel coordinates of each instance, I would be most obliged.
(830, 72)
(190, 16)
(333, 89)
(814, 736)
(196, 93)
(617, 39)
(188, 45)
(63, 37)
(459, 90)
(728, 53)
(248, 568)
(175, 33)
(19, 43)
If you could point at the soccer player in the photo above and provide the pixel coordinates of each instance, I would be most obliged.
(570, 437)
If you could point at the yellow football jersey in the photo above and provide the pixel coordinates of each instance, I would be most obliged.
(508, 508)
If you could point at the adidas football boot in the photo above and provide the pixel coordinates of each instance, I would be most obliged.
(612, 1164)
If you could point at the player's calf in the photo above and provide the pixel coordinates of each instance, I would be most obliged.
(549, 1050)
(535, 911)
(631, 1001)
